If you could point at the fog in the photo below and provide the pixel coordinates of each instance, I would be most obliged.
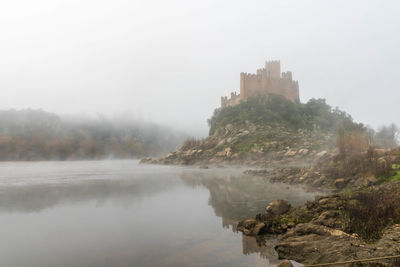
(39, 135)
(115, 213)
(170, 61)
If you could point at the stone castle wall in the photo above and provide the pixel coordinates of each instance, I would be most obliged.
(268, 80)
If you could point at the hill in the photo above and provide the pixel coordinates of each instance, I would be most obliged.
(39, 135)
(267, 130)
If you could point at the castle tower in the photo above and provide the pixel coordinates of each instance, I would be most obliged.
(273, 68)
(242, 85)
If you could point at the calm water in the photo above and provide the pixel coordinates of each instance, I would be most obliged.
(120, 213)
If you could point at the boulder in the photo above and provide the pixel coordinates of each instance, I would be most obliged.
(321, 154)
(328, 218)
(221, 143)
(369, 181)
(323, 201)
(303, 151)
(285, 263)
(249, 223)
(231, 140)
(244, 133)
(291, 153)
(257, 229)
(309, 243)
(190, 153)
(340, 183)
(170, 155)
(145, 160)
(221, 153)
(228, 152)
(278, 207)
(382, 161)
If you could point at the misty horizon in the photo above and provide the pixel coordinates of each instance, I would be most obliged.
(169, 63)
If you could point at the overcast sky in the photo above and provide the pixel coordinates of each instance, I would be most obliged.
(169, 61)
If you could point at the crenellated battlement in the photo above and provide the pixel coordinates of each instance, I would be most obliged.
(268, 80)
(287, 75)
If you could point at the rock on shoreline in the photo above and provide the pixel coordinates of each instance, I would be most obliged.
(316, 232)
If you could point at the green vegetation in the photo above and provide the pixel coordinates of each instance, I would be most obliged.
(296, 216)
(275, 109)
(396, 176)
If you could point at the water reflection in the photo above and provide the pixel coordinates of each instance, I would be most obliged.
(237, 197)
(263, 247)
(34, 198)
(123, 214)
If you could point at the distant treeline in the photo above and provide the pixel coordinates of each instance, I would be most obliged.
(39, 135)
(315, 114)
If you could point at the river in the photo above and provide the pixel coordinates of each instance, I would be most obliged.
(121, 213)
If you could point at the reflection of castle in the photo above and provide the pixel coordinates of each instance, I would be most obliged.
(237, 197)
(264, 247)
(268, 80)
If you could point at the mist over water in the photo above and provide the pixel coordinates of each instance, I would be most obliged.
(120, 213)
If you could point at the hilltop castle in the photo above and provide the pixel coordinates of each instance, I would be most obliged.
(268, 80)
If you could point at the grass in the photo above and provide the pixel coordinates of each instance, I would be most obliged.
(395, 177)
(247, 143)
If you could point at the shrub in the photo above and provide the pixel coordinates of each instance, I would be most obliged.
(276, 109)
(370, 212)
(190, 143)
(367, 163)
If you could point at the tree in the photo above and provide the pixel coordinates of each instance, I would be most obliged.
(387, 136)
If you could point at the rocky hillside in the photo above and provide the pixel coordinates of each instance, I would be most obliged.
(254, 145)
(266, 132)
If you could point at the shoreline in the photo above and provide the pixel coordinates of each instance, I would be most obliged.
(320, 231)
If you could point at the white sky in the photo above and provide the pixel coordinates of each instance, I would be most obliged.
(170, 61)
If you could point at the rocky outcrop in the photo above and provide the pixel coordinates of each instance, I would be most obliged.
(309, 243)
(251, 144)
(278, 207)
(331, 172)
(146, 160)
(320, 231)
(285, 263)
(280, 217)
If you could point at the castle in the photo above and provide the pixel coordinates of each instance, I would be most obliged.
(268, 80)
